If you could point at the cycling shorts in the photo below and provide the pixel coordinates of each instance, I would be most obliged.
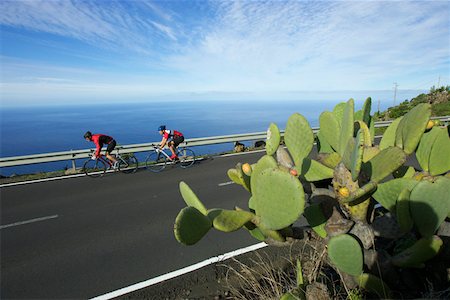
(177, 139)
(111, 146)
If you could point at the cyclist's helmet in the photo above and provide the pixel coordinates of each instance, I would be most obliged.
(88, 135)
(162, 127)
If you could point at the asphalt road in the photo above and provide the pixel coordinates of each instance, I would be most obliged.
(92, 236)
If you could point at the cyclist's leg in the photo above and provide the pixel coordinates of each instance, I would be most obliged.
(109, 150)
(175, 142)
(172, 146)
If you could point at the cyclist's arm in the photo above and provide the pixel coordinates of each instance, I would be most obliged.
(98, 149)
(163, 142)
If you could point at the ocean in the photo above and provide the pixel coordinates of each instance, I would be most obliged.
(44, 129)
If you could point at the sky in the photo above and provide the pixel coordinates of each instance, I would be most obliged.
(64, 52)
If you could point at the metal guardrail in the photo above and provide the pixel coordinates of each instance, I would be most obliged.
(73, 155)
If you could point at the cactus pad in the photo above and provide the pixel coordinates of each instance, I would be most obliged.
(347, 126)
(284, 158)
(411, 127)
(329, 129)
(346, 254)
(273, 139)
(430, 204)
(440, 153)
(423, 250)
(191, 225)
(388, 192)
(278, 198)
(231, 220)
(298, 137)
(357, 155)
(403, 212)
(374, 284)
(384, 163)
(316, 219)
(424, 150)
(191, 199)
(315, 171)
(388, 139)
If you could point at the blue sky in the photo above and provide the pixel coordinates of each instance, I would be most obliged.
(94, 51)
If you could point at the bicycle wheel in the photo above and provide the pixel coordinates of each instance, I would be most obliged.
(186, 157)
(155, 162)
(94, 168)
(128, 164)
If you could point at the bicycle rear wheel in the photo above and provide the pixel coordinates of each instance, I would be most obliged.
(186, 157)
(128, 164)
(155, 162)
(94, 168)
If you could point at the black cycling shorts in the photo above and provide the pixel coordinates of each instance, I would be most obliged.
(111, 146)
(177, 140)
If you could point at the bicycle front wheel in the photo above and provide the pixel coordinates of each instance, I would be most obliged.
(186, 157)
(155, 162)
(128, 164)
(94, 168)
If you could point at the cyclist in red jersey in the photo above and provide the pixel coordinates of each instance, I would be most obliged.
(99, 140)
(175, 137)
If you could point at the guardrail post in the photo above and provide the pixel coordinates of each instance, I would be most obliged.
(74, 166)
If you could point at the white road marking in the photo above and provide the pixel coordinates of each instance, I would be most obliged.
(179, 272)
(28, 221)
(225, 183)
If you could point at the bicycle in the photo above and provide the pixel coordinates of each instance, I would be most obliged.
(128, 164)
(157, 160)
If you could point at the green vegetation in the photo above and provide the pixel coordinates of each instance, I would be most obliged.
(369, 248)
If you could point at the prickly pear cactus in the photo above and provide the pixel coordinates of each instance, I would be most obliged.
(346, 254)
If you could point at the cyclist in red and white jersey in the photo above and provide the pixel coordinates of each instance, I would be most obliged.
(99, 140)
(175, 137)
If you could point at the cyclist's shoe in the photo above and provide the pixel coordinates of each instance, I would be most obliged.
(174, 157)
(115, 165)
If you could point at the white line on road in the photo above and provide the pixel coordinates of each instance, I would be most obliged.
(225, 183)
(28, 221)
(179, 272)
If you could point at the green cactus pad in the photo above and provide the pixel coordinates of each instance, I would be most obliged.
(411, 127)
(423, 250)
(346, 254)
(322, 145)
(271, 234)
(430, 204)
(403, 212)
(299, 137)
(273, 139)
(278, 198)
(316, 219)
(357, 155)
(374, 284)
(330, 160)
(265, 162)
(191, 198)
(347, 156)
(257, 234)
(440, 153)
(388, 192)
(329, 129)
(369, 153)
(233, 174)
(338, 112)
(367, 107)
(315, 171)
(361, 126)
(191, 225)
(384, 163)
(388, 139)
(347, 127)
(231, 220)
(424, 150)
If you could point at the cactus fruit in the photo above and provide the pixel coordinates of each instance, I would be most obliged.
(344, 192)
(278, 198)
(299, 138)
(373, 284)
(191, 225)
(430, 124)
(247, 169)
(346, 254)
(238, 176)
(430, 204)
(273, 139)
(423, 250)
(411, 127)
(231, 220)
(191, 198)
